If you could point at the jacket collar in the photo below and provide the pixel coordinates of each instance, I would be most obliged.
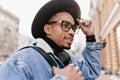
(43, 44)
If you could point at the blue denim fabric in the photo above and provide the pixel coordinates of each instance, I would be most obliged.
(28, 64)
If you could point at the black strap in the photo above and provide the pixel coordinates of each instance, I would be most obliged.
(43, 53)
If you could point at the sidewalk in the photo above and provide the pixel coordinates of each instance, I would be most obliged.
(104, 76)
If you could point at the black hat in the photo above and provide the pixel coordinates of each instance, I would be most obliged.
(50, 9)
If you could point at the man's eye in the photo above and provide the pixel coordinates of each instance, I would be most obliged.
(66, 24)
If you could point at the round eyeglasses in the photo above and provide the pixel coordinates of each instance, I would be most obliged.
(65, 25)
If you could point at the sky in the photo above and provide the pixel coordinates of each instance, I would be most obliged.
(25, 10)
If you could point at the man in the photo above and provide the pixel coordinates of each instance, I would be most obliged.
(53, 28)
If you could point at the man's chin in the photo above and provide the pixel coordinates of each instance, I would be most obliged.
(67, 48)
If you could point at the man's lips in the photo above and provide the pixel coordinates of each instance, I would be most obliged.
(70, 39)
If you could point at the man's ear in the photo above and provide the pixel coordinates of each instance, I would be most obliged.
(47, 28)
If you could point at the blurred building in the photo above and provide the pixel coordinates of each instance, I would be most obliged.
(10, 39)
(8, 33)
(106, 15)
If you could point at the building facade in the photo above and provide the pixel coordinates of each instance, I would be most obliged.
(9, 24)
(106, 15)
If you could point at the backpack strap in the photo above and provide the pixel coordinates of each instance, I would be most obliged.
(43, 53)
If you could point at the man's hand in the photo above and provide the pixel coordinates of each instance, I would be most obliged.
(87, 26)
(71, 72)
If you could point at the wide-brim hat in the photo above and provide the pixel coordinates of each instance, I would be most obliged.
(51, 8)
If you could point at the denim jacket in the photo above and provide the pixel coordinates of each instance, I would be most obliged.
(28, 64)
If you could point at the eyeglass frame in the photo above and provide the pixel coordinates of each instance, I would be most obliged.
(61, 22)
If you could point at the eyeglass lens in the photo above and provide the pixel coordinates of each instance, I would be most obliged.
(66, 26)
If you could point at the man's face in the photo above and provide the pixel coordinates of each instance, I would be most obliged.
(57, 29)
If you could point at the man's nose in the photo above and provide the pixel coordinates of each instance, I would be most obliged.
(71, 31)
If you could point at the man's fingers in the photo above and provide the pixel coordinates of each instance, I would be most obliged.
(77, 69)
(84, 22)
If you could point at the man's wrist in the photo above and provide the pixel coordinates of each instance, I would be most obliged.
(90, 38)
